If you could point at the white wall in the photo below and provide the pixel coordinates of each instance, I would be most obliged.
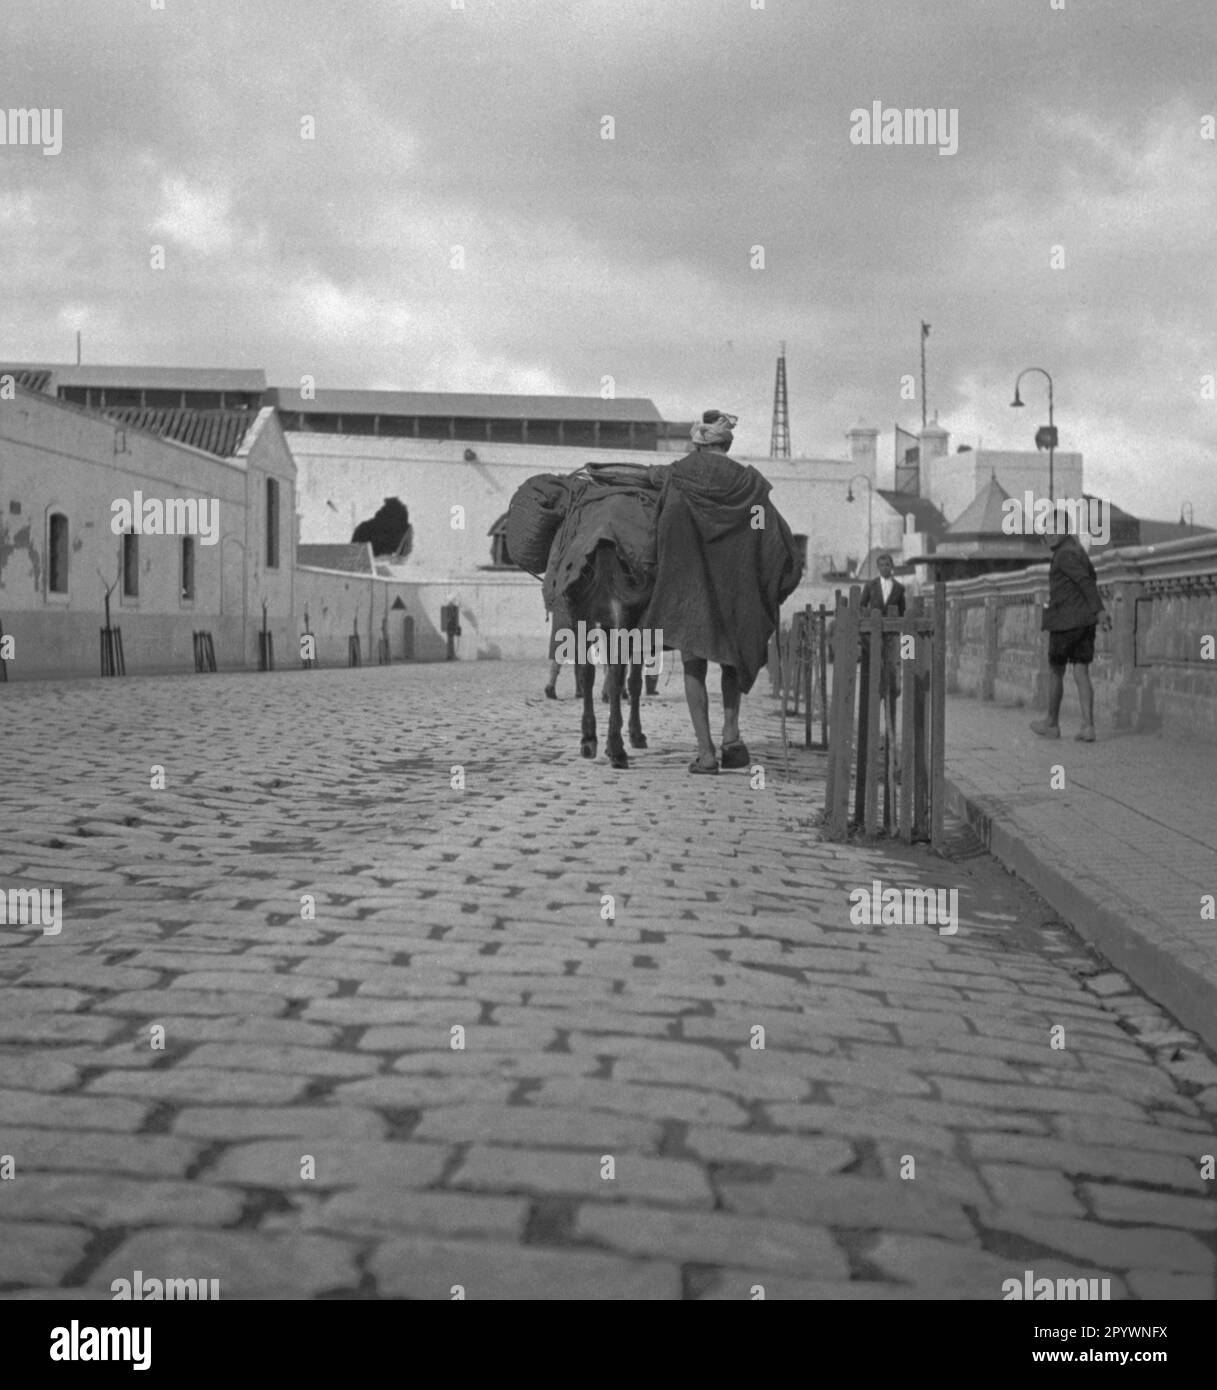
(953, 481)
(356, 473)
(57, 458)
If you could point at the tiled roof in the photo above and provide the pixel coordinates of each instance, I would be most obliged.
(983, 514)
(351, 559)
(446, 404)
(927, 516)
(215, 431)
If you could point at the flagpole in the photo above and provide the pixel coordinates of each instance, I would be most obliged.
(925, 333)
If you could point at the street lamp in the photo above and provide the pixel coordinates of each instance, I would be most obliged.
(1017, 402)
(870, 503)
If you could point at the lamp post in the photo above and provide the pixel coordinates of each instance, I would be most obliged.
(870, 503)
(1017, 402)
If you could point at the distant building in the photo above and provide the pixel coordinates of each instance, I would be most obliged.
(583, 421)
(295, 478)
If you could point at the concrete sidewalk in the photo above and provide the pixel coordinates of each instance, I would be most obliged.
(1124, 849)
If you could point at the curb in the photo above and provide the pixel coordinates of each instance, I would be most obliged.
(1119, 934)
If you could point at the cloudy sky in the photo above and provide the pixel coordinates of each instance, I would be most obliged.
(482, 127)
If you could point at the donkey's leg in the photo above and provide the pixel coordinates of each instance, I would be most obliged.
(585, 674)
(637, 738)
(615, 679)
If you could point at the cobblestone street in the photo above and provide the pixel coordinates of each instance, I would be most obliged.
(924, 1115)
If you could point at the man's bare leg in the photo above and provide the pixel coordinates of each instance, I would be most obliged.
(1051, 727)
(699, 706)
(1056, 693)
(1081, 678)
(731, 704)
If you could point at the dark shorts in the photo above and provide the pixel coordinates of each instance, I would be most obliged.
(1075, 644)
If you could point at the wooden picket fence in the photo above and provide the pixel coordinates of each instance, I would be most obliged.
(803, 671)
(908, 770)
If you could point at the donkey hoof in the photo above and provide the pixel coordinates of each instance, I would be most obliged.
(638, 740)
(620, 759)
(588, 748)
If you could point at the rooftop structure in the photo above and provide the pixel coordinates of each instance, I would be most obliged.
(581, 421)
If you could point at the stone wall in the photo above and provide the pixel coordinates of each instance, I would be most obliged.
(1154, 671)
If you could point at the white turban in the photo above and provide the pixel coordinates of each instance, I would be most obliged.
(716, 431)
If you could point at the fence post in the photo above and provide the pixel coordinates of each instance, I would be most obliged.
(938, 714)
(823, 660)
(845, 677)
(908, 740)
(869, 724)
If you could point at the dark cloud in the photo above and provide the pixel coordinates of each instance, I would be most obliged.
(585, 257)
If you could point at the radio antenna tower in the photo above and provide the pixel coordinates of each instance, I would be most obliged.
(779, 440)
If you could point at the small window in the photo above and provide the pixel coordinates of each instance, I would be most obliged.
(800, 546)
(272, 523)
(187, 569)
(130, 566)
(57, 579)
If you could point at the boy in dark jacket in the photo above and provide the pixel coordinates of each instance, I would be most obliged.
(1074, 611)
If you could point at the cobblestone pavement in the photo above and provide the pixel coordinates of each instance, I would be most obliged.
(612, 1127)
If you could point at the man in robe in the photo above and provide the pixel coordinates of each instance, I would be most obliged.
(726, 562)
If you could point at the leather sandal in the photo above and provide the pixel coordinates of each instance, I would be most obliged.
(700, 768)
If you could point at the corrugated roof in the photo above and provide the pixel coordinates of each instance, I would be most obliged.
(217, 432)
(251, 379)
(351, 559)
(32, 378)
(446, 404)
(983, 514)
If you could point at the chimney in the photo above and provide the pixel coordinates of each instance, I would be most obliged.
(864, 450)
(935, 441)
(933, 445)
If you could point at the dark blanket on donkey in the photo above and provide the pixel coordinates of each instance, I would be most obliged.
(608, 502)
(721, 580)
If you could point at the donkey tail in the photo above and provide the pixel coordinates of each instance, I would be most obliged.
(609, 575)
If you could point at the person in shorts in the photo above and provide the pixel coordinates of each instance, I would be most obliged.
(1073, 613)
